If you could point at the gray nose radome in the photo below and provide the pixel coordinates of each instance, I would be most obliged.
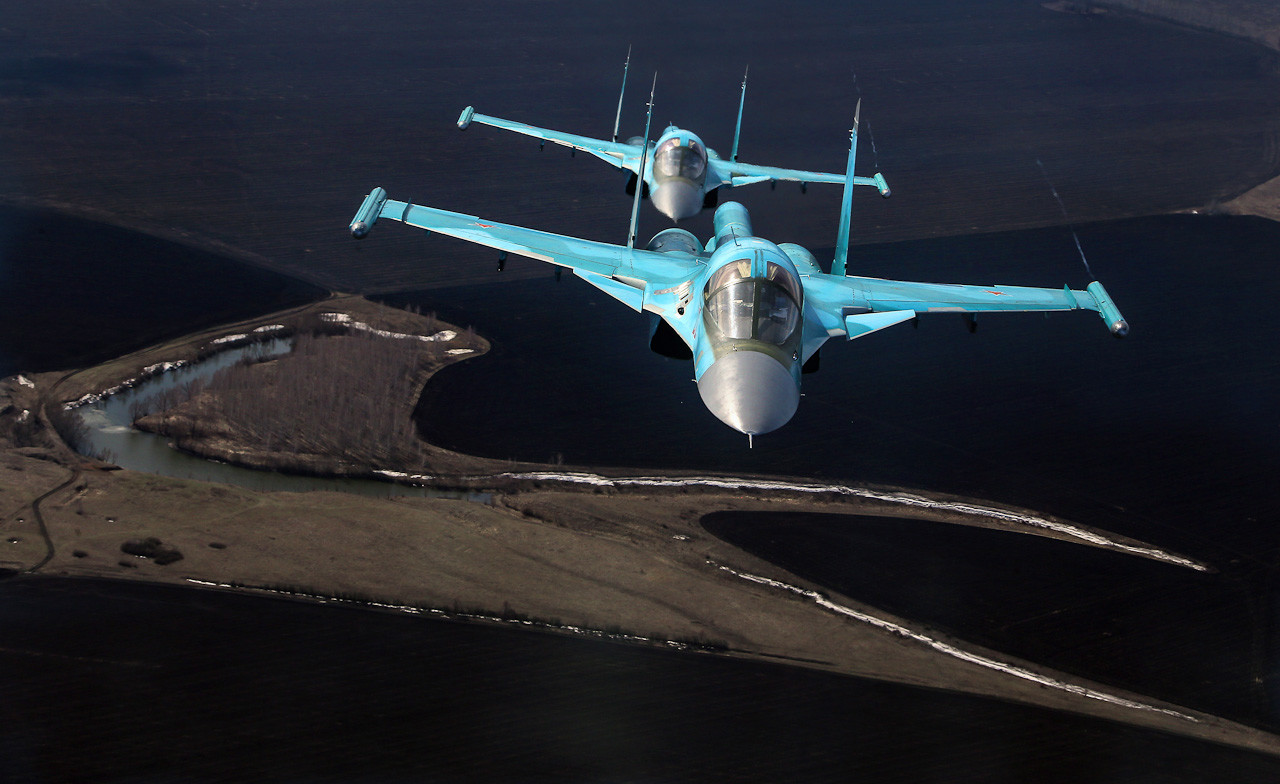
(750, 392)
(677, 199)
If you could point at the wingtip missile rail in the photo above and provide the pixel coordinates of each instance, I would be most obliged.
(464, 119)
(1107, 310)
(881, 185)
(368, 213)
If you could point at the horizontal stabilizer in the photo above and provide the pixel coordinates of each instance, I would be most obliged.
(862, 324)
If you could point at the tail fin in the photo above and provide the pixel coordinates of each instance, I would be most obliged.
(618, 117)
(644, 156)
(846, 203)
(737, 129)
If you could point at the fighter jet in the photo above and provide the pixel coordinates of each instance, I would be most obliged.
(751, 314)
(682, 174)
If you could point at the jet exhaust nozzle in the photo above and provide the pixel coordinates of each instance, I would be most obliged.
(368, 213)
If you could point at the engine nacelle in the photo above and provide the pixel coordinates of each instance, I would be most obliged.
(368, 213)
(1108, 310)
(675, 241)
(802, 258)
(664, 341)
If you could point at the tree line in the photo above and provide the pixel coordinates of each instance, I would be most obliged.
(345, 396)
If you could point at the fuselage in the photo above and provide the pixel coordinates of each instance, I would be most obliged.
(677, 173)
(747, 348)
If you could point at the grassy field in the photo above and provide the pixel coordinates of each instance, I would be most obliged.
(634, 562)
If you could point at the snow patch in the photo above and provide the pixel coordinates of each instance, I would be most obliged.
(404, 477)
(26, 382)
(443, 336)
(244, 336)
(147, 372)
(411, 610)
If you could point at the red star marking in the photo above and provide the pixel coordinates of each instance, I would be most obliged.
(483, 225)
(997, 293)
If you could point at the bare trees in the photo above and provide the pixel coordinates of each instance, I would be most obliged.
(347, 397)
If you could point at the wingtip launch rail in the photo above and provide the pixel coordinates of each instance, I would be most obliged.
(369, 212)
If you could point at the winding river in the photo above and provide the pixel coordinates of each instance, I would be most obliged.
(111, 433)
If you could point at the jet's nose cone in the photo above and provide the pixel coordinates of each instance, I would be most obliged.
(677, 199)
(750, 392)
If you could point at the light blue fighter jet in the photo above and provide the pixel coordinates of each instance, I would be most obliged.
(682, 175)
(749, 313)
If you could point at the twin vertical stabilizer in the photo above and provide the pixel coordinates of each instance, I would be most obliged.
(846, 201)
(644, 156)
(618, 117)
(737, 129)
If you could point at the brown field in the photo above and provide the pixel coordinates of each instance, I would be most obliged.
(628, 562)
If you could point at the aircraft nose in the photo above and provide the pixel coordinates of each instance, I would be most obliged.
(677, 199)
(750, 392)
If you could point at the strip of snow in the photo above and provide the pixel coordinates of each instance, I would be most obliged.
(26, 382)
(407, 477)
(26, 412)
(163, 367)
(147, 372)
(411, 610)
(443, 336)
(456, 351)
(958, 653)
(906, 499)
(245, 336)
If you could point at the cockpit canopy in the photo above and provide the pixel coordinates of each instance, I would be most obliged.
(673, 158)
(741, 307)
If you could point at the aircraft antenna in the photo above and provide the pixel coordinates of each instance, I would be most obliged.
(733, 156)
(846, 203)
(644, 159)
(618, 117)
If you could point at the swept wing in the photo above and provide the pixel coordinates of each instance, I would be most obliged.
(644, 280)
(623, 156)
(736, 173)
(855, 305)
